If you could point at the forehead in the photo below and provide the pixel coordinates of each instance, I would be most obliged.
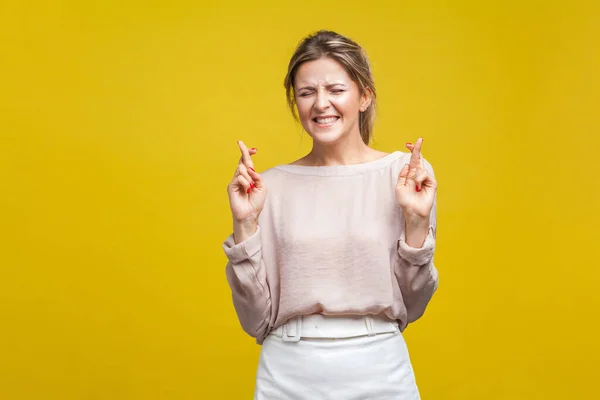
(321, 72)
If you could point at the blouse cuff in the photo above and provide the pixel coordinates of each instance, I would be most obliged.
(417, 256)
(237, 253)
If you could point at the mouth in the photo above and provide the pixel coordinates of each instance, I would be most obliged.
(325, 121)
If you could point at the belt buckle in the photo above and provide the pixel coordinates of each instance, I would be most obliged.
(369, 324)
(292, 330)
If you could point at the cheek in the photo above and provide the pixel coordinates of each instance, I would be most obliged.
(303, 109)
(346, 105)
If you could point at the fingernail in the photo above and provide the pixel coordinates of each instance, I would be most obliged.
(407, 143)
(248, 191)
(251, 185)
(254, 148)
(252, 169)
(418, 190)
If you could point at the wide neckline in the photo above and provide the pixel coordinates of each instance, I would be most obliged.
(341, 170)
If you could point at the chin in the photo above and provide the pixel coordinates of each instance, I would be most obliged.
(325, 136)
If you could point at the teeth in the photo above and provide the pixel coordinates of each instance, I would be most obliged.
(326, 120)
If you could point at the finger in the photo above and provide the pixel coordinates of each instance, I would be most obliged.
(403, 174)
(243, 184)
(251, 151)
(420, 178)
(258, 182)
(240, 162)
(243, 171)
(415, 158)
(246, 159)
(410, 147)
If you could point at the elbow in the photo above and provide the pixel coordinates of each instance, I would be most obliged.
(416, 311)
(255, 320)
(256, 329)
(420, 300)
(414, 315)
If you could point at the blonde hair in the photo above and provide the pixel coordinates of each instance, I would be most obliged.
(351, 56)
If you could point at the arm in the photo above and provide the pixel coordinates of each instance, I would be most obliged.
(416, 274)
(246, 273)
(247, 278)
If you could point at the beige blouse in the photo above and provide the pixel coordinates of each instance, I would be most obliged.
(331, 241)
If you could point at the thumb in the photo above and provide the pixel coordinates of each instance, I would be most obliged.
(403, 175)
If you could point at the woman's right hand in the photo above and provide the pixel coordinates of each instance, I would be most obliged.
(247, 195)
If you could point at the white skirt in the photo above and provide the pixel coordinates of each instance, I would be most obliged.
(320, 357)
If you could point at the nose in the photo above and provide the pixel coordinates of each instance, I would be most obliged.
(322, 102)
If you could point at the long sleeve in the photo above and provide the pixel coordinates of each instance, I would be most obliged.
(417, 276)
(247, 278)
(416, 273)
(330, 241)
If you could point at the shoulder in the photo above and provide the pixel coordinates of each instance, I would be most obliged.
(273, 174)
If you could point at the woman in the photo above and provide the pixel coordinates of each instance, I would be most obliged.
(330, 264)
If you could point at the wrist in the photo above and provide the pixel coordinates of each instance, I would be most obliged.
(416, 230)
(415, 220)
(242, 230)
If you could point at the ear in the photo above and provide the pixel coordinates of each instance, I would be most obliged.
(365, 99)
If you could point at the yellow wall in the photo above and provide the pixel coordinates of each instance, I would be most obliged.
(118, 123)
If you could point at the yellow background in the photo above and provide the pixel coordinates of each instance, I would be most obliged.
(118, 124)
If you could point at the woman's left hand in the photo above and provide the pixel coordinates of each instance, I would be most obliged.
(416, 188)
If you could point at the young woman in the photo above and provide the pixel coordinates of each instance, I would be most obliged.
(332, 255)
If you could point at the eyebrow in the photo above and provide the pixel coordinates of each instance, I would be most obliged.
(327, 86)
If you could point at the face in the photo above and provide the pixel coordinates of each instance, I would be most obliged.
(328, 101)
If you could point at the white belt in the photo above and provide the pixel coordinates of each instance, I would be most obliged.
(328, 326)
